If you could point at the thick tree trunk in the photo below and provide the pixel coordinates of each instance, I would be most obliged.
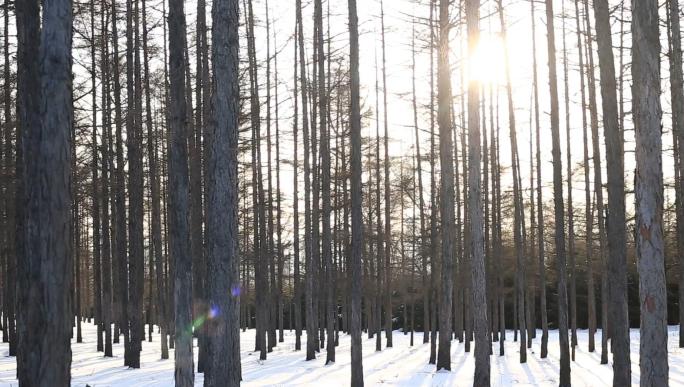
(46, 119)
(649, 194)
(224, 367)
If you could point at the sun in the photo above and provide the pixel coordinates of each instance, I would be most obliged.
(487, 64)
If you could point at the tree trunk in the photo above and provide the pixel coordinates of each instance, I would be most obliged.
(135, 183)
(297, 299)
(388, 225)
(106, 168)
(224, 367)
(482, 344)
(95, 187)
(617, 261)
(195, 149)
(46, 118)
(558, 203)
(649, 195)
(357, 217)
(591, 298)
(446, 205)
(540, 204)
(598, 185)
(519, 309)
(677, 96)
(571, 215)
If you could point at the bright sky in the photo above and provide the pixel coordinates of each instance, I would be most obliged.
(488, 64)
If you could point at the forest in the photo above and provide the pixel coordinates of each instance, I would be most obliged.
(319, 192)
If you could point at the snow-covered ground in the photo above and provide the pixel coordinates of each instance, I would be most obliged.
(401, 365)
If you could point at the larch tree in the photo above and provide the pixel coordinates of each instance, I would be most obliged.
(356, 200)
(677, 96)
(223, 291)
(649, 193)
(446, 204)
(46, 119)
(479, 280)
(179, 206)
(617, 238)
(559, 208)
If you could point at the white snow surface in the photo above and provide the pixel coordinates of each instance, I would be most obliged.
(401, 365)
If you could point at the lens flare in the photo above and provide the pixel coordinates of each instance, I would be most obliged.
(214, 312)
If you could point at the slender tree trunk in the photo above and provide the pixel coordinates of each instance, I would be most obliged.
(617, 261)
(380, 251)
(388, 225)
(598, 185)
(308, 302)
(297, 301)
(434, 281)
(179, 197)
(195, 149)
(421, 197)
(357, 219)
(517, 199)
(558, 203)
(106, 168)
(120, 237)
(446, 205)
(482, 344)
(571, 215)
(540, 204)
(591, 298)
(325, 187)
(135, 191)
(156, 237)
(95, 187)
(677, 96)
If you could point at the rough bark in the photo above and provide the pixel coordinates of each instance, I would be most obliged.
(649, 194)
(482, 344)
(446, 203)
(357, 217)
(617, 261)
(558, 203)
(179, 206)
(46, 116)
(224, 367)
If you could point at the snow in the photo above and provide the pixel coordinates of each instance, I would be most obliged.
(401, 365)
